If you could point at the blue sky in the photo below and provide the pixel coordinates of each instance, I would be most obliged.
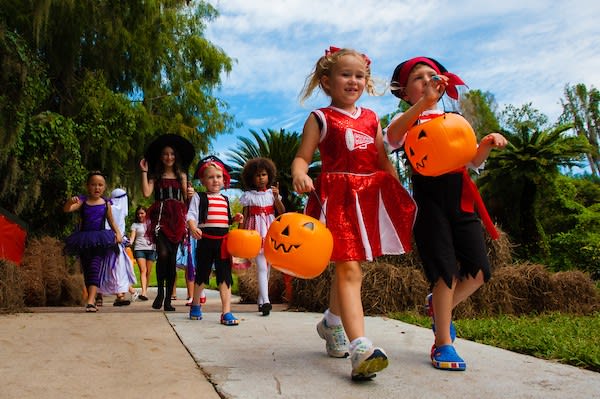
(520, 51)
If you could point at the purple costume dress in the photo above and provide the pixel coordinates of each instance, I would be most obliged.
(92, 242)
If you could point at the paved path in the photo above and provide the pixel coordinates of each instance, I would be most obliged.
(137, 352)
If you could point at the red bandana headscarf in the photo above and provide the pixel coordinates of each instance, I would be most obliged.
(400, 75)
(212, 160)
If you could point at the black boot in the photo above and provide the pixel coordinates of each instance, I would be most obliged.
(158, 301)
(168, 307)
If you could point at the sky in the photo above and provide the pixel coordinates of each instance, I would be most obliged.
(522, 52)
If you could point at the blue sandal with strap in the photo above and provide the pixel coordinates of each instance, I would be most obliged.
(446, 358)
(195, 312)
(228, 319)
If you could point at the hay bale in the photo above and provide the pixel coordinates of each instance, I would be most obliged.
(312, 295)
(513, 290)
(539, 288)
(385, 288)
(248, 285)
(34, 293)
(574, 292)
(389, 288)
(49, 277)
(71, 293)
(11, 290)
(499, 251)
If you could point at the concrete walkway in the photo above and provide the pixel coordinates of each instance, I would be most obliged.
(138, 352)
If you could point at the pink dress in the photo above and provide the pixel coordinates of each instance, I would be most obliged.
(367, 210)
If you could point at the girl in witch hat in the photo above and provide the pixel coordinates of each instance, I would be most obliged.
(164, 173)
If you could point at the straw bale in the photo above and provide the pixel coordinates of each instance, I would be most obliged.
(11, 297)
(248, 285)
(574, 292)
(49, 278)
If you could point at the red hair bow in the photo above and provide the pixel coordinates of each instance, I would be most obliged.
(333, 50)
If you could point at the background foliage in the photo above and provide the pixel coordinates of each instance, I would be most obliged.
(87, 85)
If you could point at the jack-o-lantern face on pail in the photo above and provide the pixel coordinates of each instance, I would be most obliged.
(298, 245)
(440, 145)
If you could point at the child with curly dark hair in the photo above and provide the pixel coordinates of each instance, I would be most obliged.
(262, 203)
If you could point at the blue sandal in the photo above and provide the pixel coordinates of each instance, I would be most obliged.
(195, 312)
(228, 319)
(446, 358)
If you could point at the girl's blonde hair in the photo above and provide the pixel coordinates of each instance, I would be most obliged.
(325, 65)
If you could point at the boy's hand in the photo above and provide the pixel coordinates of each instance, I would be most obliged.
(196, 233)
(434, 89)
(494, 140)
(239, 218)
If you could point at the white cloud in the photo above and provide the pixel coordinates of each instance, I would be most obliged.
(520, 51)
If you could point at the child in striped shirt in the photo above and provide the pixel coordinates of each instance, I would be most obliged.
(208, 219)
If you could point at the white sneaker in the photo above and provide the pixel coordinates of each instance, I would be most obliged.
(335, 339)
(134, 296)
(367, 360)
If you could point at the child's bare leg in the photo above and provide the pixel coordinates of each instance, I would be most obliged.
(466, 287)
(225, 293)
(347, 300)
(189, 285)
(149, 265)
(143, 275)
(91, 290)
(442, 304)
(198, 288)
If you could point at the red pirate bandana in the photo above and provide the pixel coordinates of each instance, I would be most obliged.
(400, 76)
(212, 160)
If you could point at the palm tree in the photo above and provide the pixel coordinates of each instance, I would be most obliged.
(279, 146)
(515, 177)
(581, 107)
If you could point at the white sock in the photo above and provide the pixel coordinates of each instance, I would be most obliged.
(332, 319)
(357, 341)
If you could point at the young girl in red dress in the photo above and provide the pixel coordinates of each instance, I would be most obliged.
(358, 196)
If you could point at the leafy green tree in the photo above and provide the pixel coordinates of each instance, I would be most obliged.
(581, 108)
(109, 75)
(279, 146)
(480, 110)
(513, 178)
(569, 211)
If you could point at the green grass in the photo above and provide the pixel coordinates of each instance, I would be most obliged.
(560, 337)
(181, 280)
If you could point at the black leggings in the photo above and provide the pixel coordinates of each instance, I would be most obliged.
(166, 265)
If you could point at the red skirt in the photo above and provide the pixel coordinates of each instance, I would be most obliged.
(171, 220)
(368, 215)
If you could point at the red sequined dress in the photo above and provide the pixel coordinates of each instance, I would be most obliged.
(367, 210)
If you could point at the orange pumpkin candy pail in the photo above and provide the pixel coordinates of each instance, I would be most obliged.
(298, 245)
(244, 243)
(440, 145)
